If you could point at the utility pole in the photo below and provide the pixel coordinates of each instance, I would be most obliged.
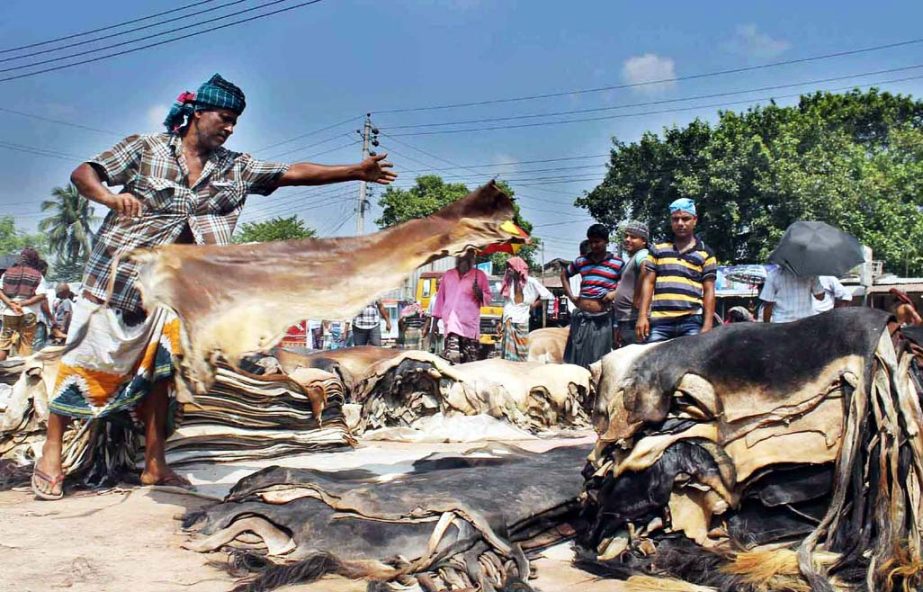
(369, 135)
(363, 201)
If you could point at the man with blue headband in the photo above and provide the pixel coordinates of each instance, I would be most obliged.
(678, 292)
(181, 186)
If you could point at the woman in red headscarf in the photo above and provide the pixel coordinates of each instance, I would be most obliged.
(520, 293)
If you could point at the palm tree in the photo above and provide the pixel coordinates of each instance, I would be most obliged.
(68, 228)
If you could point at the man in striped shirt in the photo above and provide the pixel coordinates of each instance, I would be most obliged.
(678, 293)
(590, 336)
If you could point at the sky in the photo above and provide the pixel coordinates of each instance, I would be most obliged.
(310, 75)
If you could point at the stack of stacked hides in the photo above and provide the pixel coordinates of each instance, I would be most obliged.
(246, 415)
(761, 457)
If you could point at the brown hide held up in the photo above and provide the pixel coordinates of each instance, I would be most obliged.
(235, 299)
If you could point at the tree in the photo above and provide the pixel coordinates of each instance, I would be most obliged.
(276, 229)
(852, 160)
(68, 228)
(429, 194)
(13, 241)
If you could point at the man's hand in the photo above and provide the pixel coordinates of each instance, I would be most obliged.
(124, 204)
(610, 296)
(478, 293)
(15, 307)
(388, 326)
(375, 169)
(642, 328)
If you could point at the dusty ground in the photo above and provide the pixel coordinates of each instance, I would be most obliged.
(130, 540)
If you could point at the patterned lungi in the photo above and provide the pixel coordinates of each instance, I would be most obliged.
(116, 364)
(413, 338)
(460, 350)
(18, 333)
(515, 341)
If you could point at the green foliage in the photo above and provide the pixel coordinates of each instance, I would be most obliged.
(67, 230)
(13, 241)
(852, 160)
(276, 229)
(431, 193)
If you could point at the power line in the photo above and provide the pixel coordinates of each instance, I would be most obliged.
(131, 41)
(508, 163)
(58, 121)
(316, 154)
(471, 169)
(37, 151)
(279, 208)
(642, 113)
(660, 81)
(317, 131)
(119, 34)
(295, 211)
(658, 102)
(106, 28)
(164, 42)
(318, 143)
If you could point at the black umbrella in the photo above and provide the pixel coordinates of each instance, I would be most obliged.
(815, 248)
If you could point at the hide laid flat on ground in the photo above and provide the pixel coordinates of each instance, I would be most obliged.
(455, 522)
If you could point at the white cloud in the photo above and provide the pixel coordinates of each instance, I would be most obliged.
(751, 42)
(155, 117)
(647, 68)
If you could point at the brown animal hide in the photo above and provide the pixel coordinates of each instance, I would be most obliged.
(415, 384)
(803, 438)
(547, 345)
(241, 298)
(350, 364)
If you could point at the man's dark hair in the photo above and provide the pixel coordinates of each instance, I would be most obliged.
(597, 231)
(584, 247)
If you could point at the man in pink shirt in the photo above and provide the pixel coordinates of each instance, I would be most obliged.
(461, 294)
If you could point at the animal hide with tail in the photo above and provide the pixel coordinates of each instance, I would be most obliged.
(241, 298)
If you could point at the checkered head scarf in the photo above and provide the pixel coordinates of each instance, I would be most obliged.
(217, 93)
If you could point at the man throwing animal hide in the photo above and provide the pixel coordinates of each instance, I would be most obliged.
(181, 186)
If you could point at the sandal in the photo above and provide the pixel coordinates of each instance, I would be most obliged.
(55, 486)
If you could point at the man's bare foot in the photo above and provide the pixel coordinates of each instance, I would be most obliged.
(165, 476)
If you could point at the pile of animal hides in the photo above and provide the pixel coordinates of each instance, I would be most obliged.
(242, 416)
(405, 388)
(761, 457)
(248, 416)
(454, 522)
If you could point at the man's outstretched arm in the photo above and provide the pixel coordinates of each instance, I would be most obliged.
(374, 169)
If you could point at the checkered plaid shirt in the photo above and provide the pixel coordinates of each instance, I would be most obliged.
(369, 318)
(153, 169)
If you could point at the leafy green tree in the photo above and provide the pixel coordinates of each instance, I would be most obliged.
(429, 194)
(275, 229)
(13, 241)
(68, 227)
(852, 160)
